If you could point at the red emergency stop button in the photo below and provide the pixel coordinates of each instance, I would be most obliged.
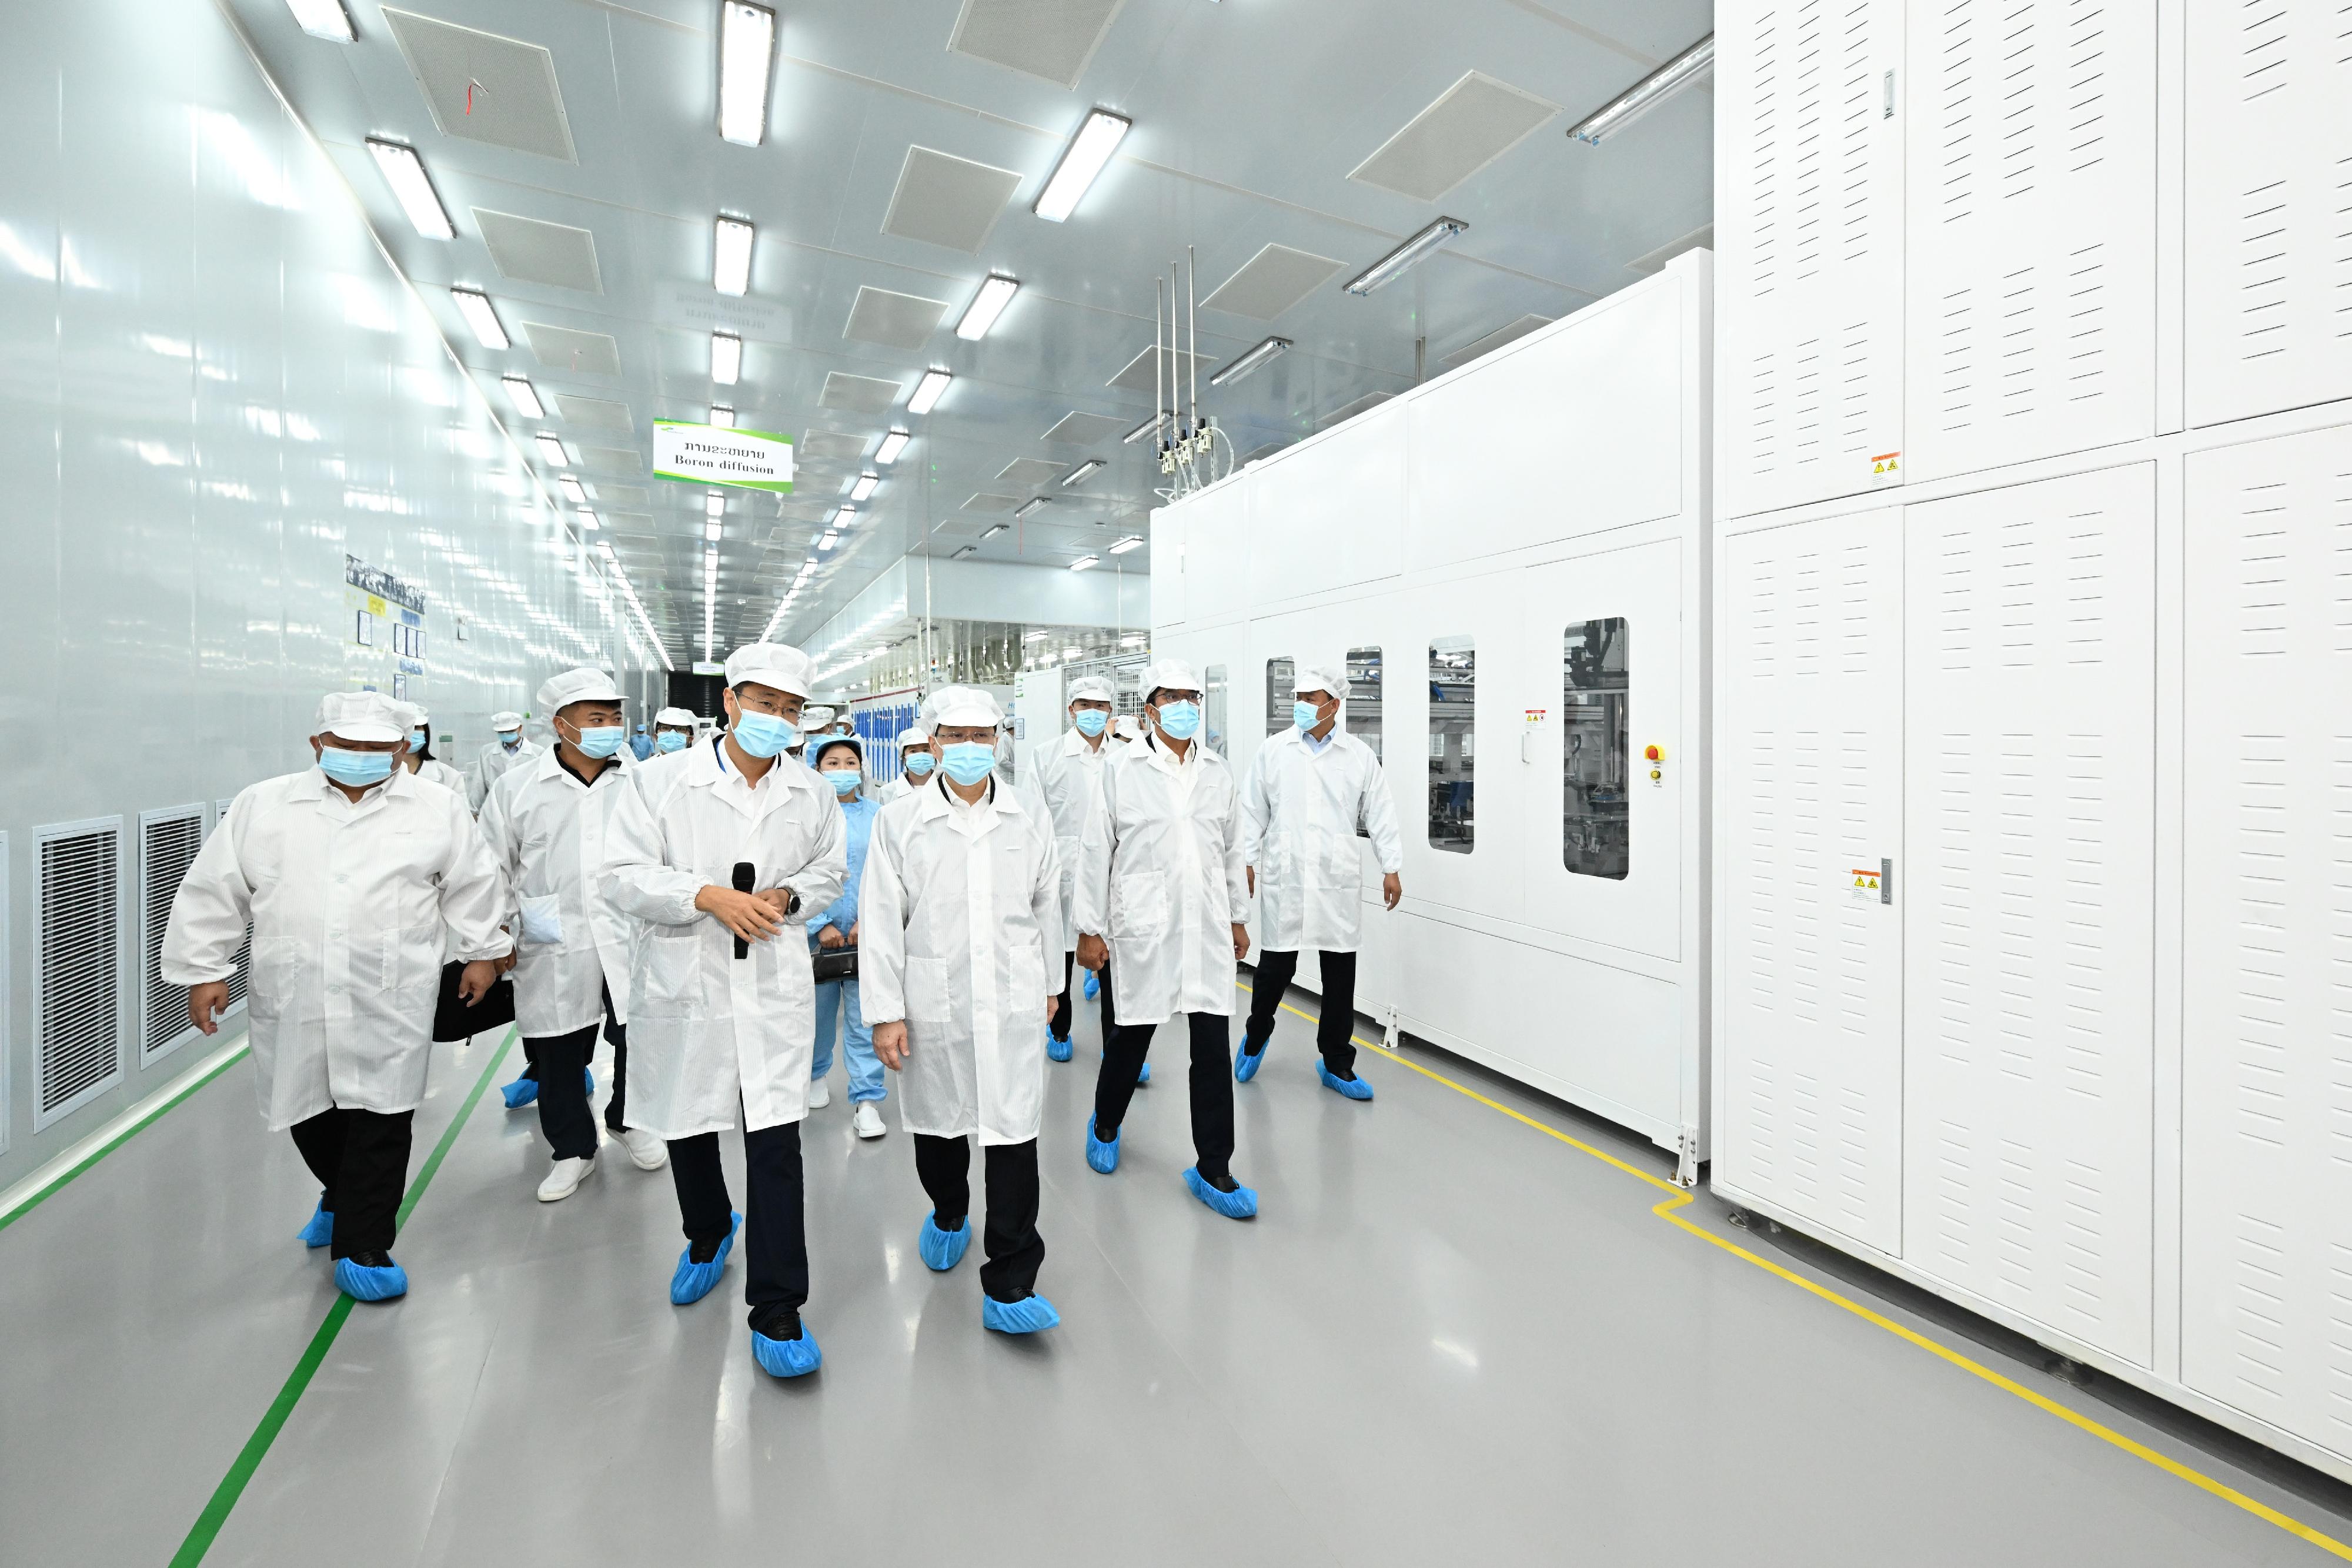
(1653, 754)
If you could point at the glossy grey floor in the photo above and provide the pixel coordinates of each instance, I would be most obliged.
(1448, 1339)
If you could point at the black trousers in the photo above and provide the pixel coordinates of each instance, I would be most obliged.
(1334, 1031)
(1015, 1251)
(360, 1158)
(1211, 1086)
(558, 1063)
(1062, 1016)
(775, 1240)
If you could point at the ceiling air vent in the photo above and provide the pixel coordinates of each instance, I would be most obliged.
(1050, 39)
(168, 841)
(77, 964)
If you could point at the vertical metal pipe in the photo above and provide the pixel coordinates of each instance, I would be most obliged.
(1157, 446)
(1192, 316)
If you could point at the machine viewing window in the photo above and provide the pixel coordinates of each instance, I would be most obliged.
(1213, 709)
(1452, 743)
(1361, 717)
(1279, 673)
(1596, 771)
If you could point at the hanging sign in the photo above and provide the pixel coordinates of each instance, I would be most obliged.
(713, 455)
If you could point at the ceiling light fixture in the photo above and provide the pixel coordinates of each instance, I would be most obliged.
(726, 358)
(892, 445)
(845, 517)
(323, 19)
(828, 540)
(524, 395)
(1023, 510)
(994, 529)
(475, 307)
(747, 48)
(995, 293)
(403, 171)
(722, 416)
(866, 487)
(1083, 471)
(1391, 266)
(710, 530)
(1140, 431)
(572, 491)
(552, 450)
(1251, 362)
(1127, 544)
(967, 550)
(1081, 161)
(1083, 561)
(928, 390)
(588, 519)
(1038, 636)
(1646, 94)
(730, 252)
(714, 504)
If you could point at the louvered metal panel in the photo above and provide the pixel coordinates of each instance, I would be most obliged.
(78, 968)
(168, 840)
(245, 953)
(7, 1014)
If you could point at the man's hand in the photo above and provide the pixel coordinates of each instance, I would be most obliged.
(474, 982)
(1092, 953)
(204, 1001)
(1251, 872)
(854, 926)
(890, 1044)
(1241, 941)
(1053, 1006)
(1391, 889)
(831, 936)
(779, 899)
(754, 916)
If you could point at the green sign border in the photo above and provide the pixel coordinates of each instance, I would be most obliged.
(773, 486)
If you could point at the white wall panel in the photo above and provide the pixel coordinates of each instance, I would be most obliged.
(1809, 216)
(2266, 1315)
(2028, 741)
(2030, 290)
(1808, 749)
(2269, 205)
(1330, 513)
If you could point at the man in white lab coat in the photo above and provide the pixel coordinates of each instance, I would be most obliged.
(507, 749)
(1309, 790)
(420, 759)
(961, 891)
(1065, 778)
(545, 823)
(917, 758)
(1157, 895)
(673, 730)
(723, 853)
(352, 876)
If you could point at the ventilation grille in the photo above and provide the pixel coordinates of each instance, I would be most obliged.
(532, 250)
(862, 394)
(1050, 39)
(596, 413)
(948, 201)
(1031, 472)
(77, 999)
(892, 320)
(1271, 282)
(168, 841)
(483, 87)
(1475, 121)
(575, 352)
(1079, 429)
(245, 953)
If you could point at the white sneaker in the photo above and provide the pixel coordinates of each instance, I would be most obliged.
(563, 1179)
(820, 1096)
(646, 1150)
(867, 1123)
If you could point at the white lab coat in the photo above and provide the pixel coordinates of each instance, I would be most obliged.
(349, 907)
(547, 830)
(435, 771)
(1299, 811)
(1065, 778)
(705, 1026)
(953, 915)
(1159, 877)
(896, 789)
(492, 764)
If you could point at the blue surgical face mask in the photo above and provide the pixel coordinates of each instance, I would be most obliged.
(670, 740)
(357, 768)
(601, 743)
(918, 763)
(762, 734)
(969, 762)
(416, 740)
(511, 742)
(843, 782)
(1305, 716)
(1092, 723)
(1180, 720)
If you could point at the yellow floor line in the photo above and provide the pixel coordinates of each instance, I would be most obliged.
(1667, 1210)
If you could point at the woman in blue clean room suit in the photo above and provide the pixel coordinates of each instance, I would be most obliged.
(840, 761)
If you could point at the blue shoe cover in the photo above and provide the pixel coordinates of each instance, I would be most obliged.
(1239, 1204)
(1102, 1156)
(1144, 1076)
(1094, 985)
(692, 1281)
(1058, 1050)
(321, 1229)
(787, 1357)
(370, 1284)
(520, 1092)
(1030, 1314)
(1246, 1062)
(942, 1249)
(1353, 1088)
(589, 1078)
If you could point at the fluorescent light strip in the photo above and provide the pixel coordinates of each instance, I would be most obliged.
(967, 550)
(1140, 431)
(1127, 544)
(1085, 561)
(714, 504)
(866, 487)
(1393, 266)
(722, 416)
(1025, 508)
(323, 19)
(992, 531)
(711, 529)
(1261, 355)
(1083, 471)
(1082, 160)
(524, 395)
(892, 445)
(995, 293)
(552, 450)
(475, 307)
(572, 489)
(403, 171)
(747, 49)
(928, 390)
(730, 263)
(828, 540)
(845, 519)
(588, 519)
(1646, 94)
(726, 355)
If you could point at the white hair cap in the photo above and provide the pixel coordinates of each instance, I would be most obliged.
(675, 718)
(582, 686)
(816, 716)
(508, 720)
(1093, 689)
(1331, 678)
(1174, 673)
(914, 737)
(965, 706)
(775, 665)
(1129, 727)
(362, 715)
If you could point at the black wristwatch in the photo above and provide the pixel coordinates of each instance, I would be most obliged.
(792, 903)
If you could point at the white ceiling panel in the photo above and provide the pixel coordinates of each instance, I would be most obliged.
(483, 87)
(532, 250)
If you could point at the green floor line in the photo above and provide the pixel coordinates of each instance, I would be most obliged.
(208, 1527)
(153, 1116)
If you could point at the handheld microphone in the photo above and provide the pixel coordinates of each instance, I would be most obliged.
(744, 872)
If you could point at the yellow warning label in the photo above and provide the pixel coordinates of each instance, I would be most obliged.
(1865, 886)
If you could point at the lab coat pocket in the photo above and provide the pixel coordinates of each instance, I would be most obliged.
(674, 970)
(1139, 906)
(927, 991)
(275, 973)
(542, 919)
